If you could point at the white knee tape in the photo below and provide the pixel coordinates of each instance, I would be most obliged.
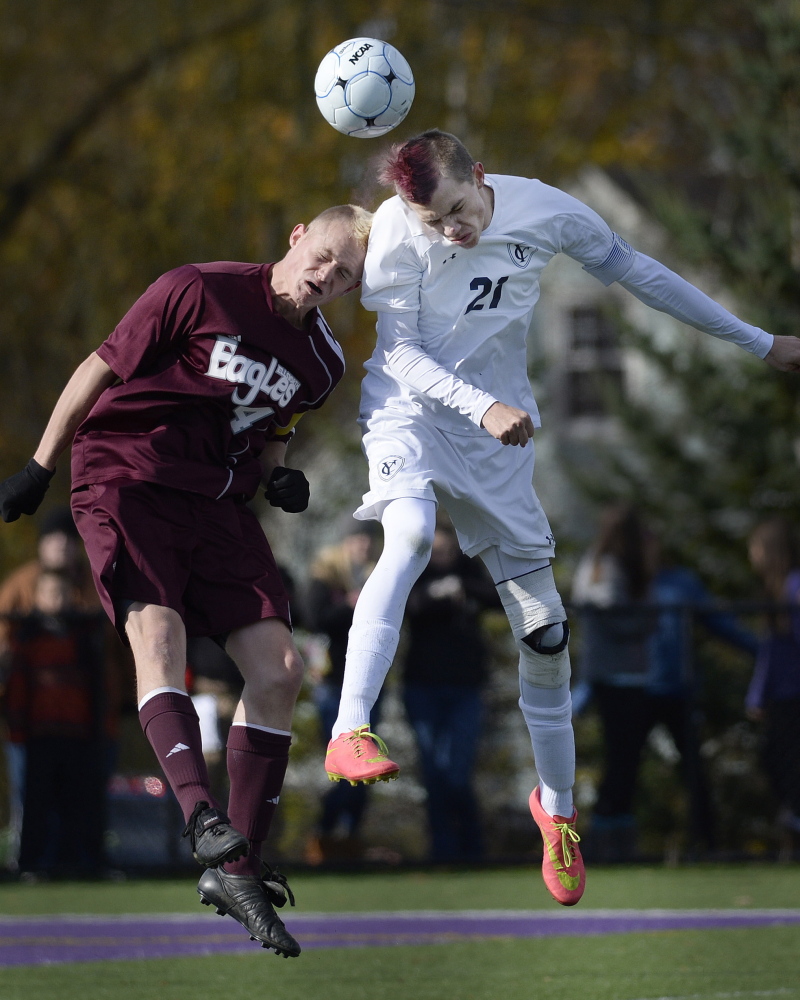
(542, 670)
(532, 601)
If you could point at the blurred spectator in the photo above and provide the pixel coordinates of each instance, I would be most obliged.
(60, 549)
(673, 686)
(336, 577)
(612, 585)
(444, 672)
(655, 683)
(773, 698)
(56, 706)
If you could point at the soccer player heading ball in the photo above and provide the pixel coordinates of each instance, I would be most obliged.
(453, 272)
(174, 422)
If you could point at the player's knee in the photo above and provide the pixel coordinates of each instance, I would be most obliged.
(156, 635)
(285, 669)
(267, 658)
(548, 669)
(409, 527)
(277, 680)
(413, 546)
(539, 624)
(548, 639)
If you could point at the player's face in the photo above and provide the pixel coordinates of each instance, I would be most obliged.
(459, 210)
(323, 263)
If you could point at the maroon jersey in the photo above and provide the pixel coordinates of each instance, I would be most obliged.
(210, 372)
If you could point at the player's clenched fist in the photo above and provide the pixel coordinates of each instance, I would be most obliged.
(23, 492)
(508, 424)
(288, 489)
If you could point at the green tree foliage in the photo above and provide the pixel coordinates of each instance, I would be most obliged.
(730, 456)
(137, 136)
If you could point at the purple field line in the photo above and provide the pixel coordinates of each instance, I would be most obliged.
(82, 938)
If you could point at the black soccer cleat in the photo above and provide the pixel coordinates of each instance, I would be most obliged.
(214, 840)
(249, 899)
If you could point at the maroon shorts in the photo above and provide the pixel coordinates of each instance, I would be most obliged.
(207, 559)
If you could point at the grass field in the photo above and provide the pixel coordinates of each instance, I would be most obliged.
(743, 963)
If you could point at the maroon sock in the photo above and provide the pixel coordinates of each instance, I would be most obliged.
(256, 769)
(170, 723)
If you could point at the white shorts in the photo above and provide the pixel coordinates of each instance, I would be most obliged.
(485, 487)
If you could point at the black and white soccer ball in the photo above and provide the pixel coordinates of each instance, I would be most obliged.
(364, 87)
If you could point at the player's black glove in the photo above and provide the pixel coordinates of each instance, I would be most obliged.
(23, 492)
(288, 489)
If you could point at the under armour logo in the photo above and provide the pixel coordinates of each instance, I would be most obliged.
(177, 749)
(390, 466)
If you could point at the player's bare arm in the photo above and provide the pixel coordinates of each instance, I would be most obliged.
(784, 354)
(23, 492)
(508, 424)
(272, 457)
(89, 381)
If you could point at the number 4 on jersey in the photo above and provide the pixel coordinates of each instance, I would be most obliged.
(485, 286)
(246, 416)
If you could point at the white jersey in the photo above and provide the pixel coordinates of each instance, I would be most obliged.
(453, 322)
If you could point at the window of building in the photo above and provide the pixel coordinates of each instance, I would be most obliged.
(594, 363)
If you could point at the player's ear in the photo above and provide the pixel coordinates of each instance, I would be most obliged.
(479, 174)
(352, 288)
(297, 234)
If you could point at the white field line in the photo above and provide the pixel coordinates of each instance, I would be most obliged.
(783, 991)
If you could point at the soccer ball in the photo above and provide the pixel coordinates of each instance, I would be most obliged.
(364, 87)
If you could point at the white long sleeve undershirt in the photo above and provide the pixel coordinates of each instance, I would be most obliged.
(647, 279)
(409, 362)
(658, 287)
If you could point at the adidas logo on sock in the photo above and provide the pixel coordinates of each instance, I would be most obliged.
(177, 749)
(275, 801)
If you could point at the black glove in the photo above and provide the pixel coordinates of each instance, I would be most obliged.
(23, 492)
(288, 489)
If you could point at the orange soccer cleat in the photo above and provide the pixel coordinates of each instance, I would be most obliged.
(359, 756)
(562, 864)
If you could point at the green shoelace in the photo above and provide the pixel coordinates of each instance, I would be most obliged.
(364, 732)
(568, 833)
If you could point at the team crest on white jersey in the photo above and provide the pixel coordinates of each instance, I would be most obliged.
(390, 466)
(520, 253)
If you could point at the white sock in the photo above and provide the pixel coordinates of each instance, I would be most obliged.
(548, 714)
(408, 527)
(371, 646)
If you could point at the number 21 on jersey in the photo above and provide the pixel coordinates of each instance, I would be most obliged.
(483, 286)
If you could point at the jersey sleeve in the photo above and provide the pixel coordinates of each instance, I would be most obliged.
(160, 318)
(393, 273)
(582, 234)
(409, 362)
(393, 269)
(655, 285)
(576, 230)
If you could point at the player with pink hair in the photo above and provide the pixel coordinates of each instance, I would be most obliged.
(448, 416)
